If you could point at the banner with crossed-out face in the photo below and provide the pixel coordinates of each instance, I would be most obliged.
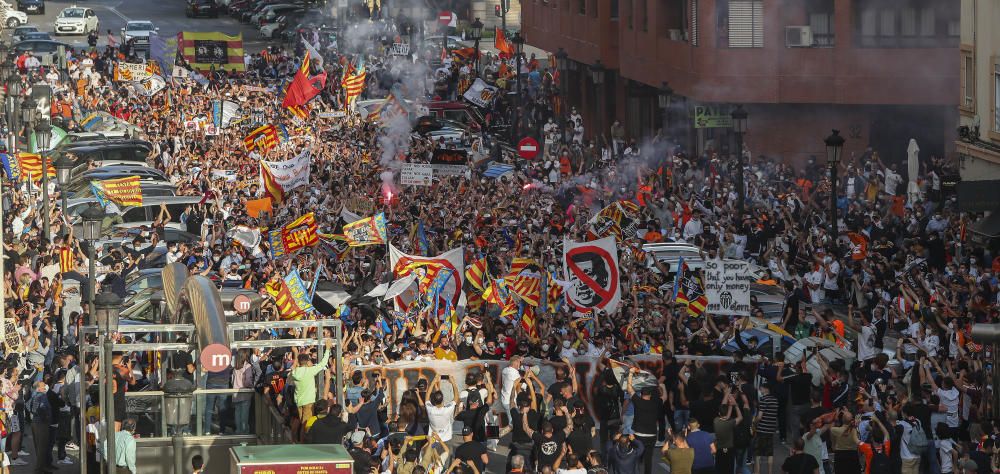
(592, 270)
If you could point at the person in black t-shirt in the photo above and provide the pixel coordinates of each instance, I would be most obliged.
(468, 348)
(520, 440)
(581, 439)
(548, 441)
(472, 450)
(800, 462)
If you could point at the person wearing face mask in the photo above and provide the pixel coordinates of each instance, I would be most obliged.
(469, 348)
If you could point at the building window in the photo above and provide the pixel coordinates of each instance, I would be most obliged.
(629, 13)
(692, 25)
(641, 6)
(906, 24)
(996, 94)
(968, 72)
(581, 5)
(614, 9)
(592, 8)
(743, 23)
(820, 14)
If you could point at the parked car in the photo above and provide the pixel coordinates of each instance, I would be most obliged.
(12, 18)
(206, 8)
(107, 154)
(20, 33)
(36, 35)
(45, 50)
(79, 184)
(36, 7)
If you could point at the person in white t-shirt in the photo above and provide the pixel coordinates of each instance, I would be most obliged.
(508, 377)
(947, 393)
(947, 450)
(441, 415)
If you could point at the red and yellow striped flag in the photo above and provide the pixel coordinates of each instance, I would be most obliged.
(31, 164)
(476, 272)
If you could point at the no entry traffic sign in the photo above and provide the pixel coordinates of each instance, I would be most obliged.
(527, 148)
(445, 18)
(216, 357)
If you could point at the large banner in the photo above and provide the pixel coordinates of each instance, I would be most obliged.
(205, 51)
(121, 191)
(727, 287)
(367, 231)
(592, 271)
(263, 138)
(619, 219)
(480, 93)
(292, 173)
(416, 174)
(450, 162)
(132, 72)
(400, 376)
(300, 233)
(290, 295)
(425, 269)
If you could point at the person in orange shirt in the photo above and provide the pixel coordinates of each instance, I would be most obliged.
(652, 234)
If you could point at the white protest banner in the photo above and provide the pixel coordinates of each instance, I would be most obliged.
(399, 49)
(592, 270)
(132, 72)
(333, 114)
(727, 287)
(480, 93)
(417, 174)
(292, 173)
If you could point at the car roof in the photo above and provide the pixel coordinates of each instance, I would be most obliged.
(38, 41)
(109, 142)
(123, 170)
(112, 145)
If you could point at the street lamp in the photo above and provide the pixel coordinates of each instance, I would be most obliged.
(834, 146)
(477, 34)
(597, 71)
(29, 113)
(108, 307)
(64, 168)
(562, 62)
(43, 136)
(518, 41)
(6, 66)
(93, 219)
(663, 98)
(14, 89)
(739, 117)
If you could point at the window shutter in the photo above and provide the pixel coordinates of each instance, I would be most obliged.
(746, 24)
(996, 93)
(693, 31)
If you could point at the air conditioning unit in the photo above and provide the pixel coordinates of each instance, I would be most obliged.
(798, 37)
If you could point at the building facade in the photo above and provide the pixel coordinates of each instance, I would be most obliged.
(881, 71)
(978, 143)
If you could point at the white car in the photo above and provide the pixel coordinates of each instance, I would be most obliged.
(76, 21)
(12, 17)
(138, 30)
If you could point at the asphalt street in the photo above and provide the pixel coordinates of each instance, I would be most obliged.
(168, 15)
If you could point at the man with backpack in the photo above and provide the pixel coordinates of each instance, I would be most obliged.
(914, 442)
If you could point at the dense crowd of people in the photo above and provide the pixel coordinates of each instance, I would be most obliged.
(896, 280)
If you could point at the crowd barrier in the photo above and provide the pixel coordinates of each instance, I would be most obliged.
(401, 376)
